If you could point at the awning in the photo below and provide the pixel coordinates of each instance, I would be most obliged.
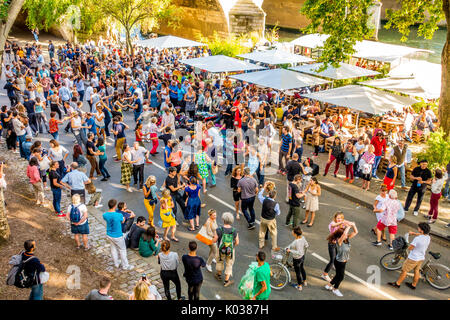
(275, 57)
(362, 98)
(168, 42)
(280, 79)
(221, 63)
(371, 50)
(416, 78)
(345, 71)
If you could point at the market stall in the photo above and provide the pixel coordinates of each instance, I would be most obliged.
(344, 71)
(275, 57)
(167, 42)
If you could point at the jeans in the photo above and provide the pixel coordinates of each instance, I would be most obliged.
(138, 174)
(340, 272)
(447, 187)
(282, 155)
(177, 198)
(401, 169)
(107, 122)
(81, 93)
(260, 175)
(336, 166)
(375, 165)
(55, 135)
(412, 192)
(299, 270)
(101, 164)
(166, 277)
(118, 247)
(194, 291)
(37, 292)
(21, 141)
(332, 252)
(40, 122)
(248, 204)
(434, 205)
(57, 199)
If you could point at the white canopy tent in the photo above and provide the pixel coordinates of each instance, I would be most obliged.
(371, 50)
(362, 98)
(221, 63)
(280, 79)
(416, 78)
(275, 57)
(167, 42)
(344, 71)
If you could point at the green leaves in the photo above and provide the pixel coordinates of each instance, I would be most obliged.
(230, 46)
(4, 6)
(437, 151)
(45, 13)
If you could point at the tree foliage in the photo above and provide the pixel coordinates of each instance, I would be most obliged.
(437, 151)
(230, 46)
(4, 6)
(43, 14)
(344, 20)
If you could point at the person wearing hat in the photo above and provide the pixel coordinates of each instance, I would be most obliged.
(420, 177)
(379, 142)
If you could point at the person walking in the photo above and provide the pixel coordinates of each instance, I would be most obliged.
(312, 194)
(33, 267)
(248, 187)
(102, 157)
(334, 153)
(270, 210)
(36, 181)
(77, 215)
(436, 188)
(56, 187)
(293, 168)
(420, 177)
(91, 154)
(150, 198)
(417, 251)
(236, 175)
(139, 155)
(115, 237)
(261, 282)
(211, 227)
(298, 250)
(227, 239)
(192, 271)
(379, 143)
(349, 161)
(169, 262)
(294, 201)
(341, 237)
(193, 204)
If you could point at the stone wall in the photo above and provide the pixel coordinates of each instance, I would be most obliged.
(285, 13)
(246, 16)
(199, 16)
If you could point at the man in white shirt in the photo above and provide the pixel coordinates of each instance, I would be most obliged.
(417, 250)
(254, 105)
(168, 119)
(139, 154)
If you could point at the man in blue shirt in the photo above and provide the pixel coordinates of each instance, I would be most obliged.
(76, 181)
(137, 106)
(285, 149)
(173, 93)
(114, 235)
(180, 95)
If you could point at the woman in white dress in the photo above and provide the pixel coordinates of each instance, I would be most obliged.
(313, 192)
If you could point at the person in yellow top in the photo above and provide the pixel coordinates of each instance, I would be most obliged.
(167, 217)
(227, 83)
(279, 112)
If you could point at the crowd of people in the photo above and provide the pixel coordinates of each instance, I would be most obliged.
(204, 124)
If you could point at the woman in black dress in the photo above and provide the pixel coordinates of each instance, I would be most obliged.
(236, 175)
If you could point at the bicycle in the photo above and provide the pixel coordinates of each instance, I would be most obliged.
(281, 275)
(436, 274)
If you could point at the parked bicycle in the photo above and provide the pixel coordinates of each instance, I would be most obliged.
(436, 274)
(281, 274)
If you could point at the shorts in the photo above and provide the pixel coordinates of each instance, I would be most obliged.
(236, 196)
(366, 177)
(381, 227)
(81, 229)
(409, 265)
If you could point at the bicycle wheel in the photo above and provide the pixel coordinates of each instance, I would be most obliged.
(392, 261)
(438, 276)
(280, 276)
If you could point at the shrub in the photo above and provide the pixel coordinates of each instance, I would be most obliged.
(437, 151)
(230, 46)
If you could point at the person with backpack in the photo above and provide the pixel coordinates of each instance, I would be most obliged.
(26, 271)
(227, 239)
(79, 224)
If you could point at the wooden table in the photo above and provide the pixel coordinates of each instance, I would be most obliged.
(388, 125)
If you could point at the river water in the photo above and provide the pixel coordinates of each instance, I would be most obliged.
(393, 36)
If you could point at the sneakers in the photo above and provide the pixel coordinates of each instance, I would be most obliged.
(338, 293)
(213, 261)
(416, 213)
(129, 267)
(410, 285)
(328, 287)
(376, 243)
(61, 214)
(129, 190)
(98, 206)
(351, 181)
(325, 277)
(208, 267)
(393, 284)
(251, 226)
(390, 247)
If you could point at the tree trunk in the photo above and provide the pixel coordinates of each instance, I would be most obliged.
(444, 101)
(127, 40)
(5, 26)
(5, 232)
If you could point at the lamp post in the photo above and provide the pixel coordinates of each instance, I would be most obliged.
(374, 17)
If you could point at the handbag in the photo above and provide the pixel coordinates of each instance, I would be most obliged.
(400, 212)
(203, 236)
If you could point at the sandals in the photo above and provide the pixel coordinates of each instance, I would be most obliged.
(218, 276)
(189, 229)
(238, 217)
(304, 221)
(174, 239)
(310, 225)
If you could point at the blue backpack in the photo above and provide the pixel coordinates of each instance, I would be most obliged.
(75, 214)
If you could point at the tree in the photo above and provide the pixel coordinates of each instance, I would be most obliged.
(346, 23)
(43, 14)
(130, 13)
(5, 232)
(9, 9)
